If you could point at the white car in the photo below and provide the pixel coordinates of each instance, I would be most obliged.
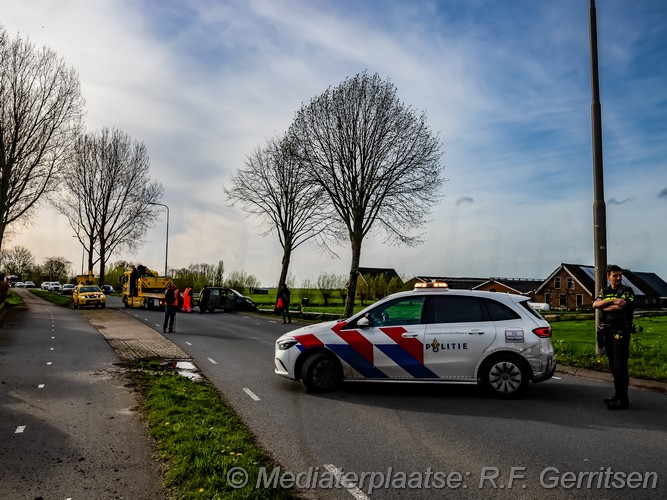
(429, 334)
(46, 284)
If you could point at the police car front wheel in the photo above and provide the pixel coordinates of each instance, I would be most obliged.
(505, 377)
(321, 372)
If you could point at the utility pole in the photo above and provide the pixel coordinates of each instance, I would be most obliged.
(599, 209)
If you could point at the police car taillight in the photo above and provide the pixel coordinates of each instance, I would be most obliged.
(432, 284)
(543, 332)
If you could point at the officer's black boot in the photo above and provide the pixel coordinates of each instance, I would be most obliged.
(619, 404)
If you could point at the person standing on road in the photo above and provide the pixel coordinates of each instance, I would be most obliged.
(285, 296)
(616, 303)
(4, 289)
(187, 299)
(171, 300)
(203, 299)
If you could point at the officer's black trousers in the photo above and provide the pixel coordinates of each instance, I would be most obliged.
(617, 348)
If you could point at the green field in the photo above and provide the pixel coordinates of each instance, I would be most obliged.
(574, 342)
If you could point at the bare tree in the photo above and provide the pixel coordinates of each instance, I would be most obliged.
(198, 275)
(376, 159)
(108, 196)
(327, 283)
(17, 260)
(40, 112)
(273, 186)
(55, 268)
(242, 281)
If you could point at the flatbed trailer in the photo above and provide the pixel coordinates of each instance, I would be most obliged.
(148, 291)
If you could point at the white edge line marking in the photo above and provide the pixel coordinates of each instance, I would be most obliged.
(558, 378)
(212, 361)
(254, 396)
(351, 487)
(19, 429)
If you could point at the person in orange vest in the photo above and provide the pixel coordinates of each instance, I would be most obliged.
(187, 299)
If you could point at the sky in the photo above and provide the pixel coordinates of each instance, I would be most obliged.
(505, 86)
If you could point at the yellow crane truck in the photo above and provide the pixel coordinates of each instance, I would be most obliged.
(142, 287)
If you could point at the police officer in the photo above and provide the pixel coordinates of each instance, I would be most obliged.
(616, 303)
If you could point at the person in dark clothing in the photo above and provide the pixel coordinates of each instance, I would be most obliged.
(134, 277)
(616, 303)
(203, 299)
(4, 290)
(285, 296)
(171, 299)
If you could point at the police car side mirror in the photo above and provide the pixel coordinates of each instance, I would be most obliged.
(363, 322)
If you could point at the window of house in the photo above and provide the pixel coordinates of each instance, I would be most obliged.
(580, 300)
(557, 282)
(562, 300)
(570, 283)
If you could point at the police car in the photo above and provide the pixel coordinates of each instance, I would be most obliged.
(429, 334)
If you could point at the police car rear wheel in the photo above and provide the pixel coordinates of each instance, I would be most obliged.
(321, 373)
(505, 377)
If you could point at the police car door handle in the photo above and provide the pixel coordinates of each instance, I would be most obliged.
(478, 332)
(409, 335)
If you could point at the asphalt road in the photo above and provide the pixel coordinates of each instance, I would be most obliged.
(426, 441)
(69, 428)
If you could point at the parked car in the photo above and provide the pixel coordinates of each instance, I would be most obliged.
(19, 284)
(55, 287)
(228, 300)
(29, 284)
(68, 289)
(46, 284)
(107, 289)
(88, 295)
(496, 340)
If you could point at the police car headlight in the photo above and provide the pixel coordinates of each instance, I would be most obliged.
(283, 345)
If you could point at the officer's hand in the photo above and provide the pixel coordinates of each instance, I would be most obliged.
(620, 302)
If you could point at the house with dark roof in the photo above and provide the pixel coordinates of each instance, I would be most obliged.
(517, 286)
(388, 273)
(572, 287)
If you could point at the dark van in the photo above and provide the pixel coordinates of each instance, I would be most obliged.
(228, 300)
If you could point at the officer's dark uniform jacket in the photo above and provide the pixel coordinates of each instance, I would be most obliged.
(620, 320)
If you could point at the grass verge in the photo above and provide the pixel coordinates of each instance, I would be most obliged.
(574, 343)
(200, 438)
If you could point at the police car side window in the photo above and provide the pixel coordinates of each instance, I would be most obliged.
(458, 309)
(405, 311)
(500, 312)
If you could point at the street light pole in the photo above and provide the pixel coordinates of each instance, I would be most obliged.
(166, 246)
(83, 252)
(599, 209)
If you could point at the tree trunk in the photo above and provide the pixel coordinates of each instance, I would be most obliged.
(354, 276)
(102, 257)
(287, 254)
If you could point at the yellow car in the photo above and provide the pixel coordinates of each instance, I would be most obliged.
(88, 295)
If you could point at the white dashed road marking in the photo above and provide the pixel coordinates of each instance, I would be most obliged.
(254, 396)
(40, 386)
(349, 486)
(212, 361)
(188, 342)
(19, 429)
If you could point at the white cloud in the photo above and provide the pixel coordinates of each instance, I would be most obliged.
(507, 88)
